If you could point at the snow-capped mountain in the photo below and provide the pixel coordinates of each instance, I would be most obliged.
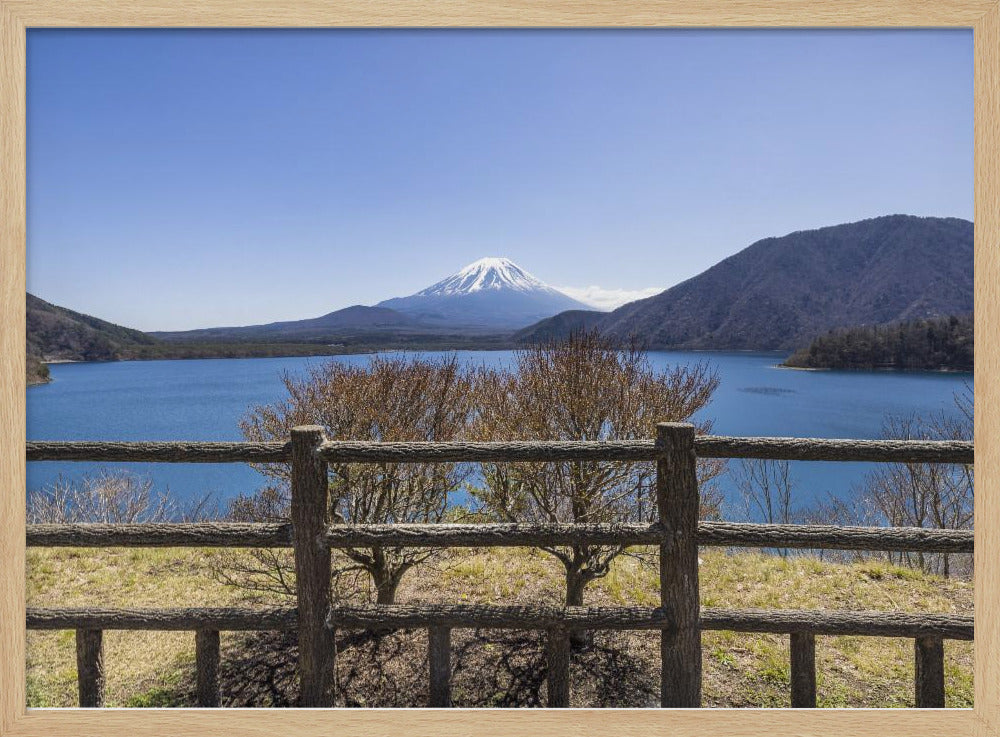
(490, 292)
(486, 273)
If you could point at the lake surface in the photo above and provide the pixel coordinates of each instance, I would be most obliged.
(205, 399)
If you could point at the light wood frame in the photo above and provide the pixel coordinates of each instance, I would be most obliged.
(983, 16)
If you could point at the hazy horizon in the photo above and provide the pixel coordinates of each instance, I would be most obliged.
(195, 178)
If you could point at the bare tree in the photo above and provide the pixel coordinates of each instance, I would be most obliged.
(584, 388)
(924, 494)
(914, 494)
(390, 399)
(110, 497)
(766, 488)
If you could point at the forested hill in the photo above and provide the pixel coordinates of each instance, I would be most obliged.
(943, 343)
(779, 293)
(56, 333)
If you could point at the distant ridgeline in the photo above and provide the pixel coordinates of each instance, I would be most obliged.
(55, 333)
(941, 343)
(776, 294)
(779, 293)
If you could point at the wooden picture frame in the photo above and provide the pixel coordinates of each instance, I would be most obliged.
(16, 16)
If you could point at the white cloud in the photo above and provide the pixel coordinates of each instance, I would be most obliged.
(608, 299)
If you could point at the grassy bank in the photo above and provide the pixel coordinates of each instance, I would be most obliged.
(494, 668)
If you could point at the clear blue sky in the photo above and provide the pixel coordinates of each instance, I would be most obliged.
(181, 179)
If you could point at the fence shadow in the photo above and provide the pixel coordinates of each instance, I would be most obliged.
(491, 668)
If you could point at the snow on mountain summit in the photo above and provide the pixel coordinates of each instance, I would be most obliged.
(492, 293)
(486, 273)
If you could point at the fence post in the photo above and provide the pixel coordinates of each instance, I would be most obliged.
(557, 650)
(206, 658)
(310, 515)
(929, 676)
(90, 667)
(439, 665)
(678, 504)
(803, 670)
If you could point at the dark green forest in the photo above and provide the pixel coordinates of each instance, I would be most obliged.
(941, 343)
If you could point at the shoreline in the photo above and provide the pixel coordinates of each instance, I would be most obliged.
(877, 370)
(494, 349)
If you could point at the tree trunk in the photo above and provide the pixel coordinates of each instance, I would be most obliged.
(385, 592)
(386, 580)
(576, 582)
(385, 586)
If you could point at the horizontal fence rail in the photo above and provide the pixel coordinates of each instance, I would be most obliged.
(676, 535)
(490, 452)
(162, 535)
(714, 534)
(706, 446)
(835, 537)
(484, 616)
(167, 451)
(867, 624)
(228, 619)
(825, 449)
(710, 534)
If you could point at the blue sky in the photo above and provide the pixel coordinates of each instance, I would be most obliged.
(181, 179)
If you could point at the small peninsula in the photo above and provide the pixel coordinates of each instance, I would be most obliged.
(935, 344)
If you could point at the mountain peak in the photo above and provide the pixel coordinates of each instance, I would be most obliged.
(493, 293)
(494, 273)
(490, 262)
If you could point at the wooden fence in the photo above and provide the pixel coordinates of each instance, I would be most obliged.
(677, 532)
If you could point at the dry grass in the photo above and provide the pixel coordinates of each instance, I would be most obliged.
(138, 664)
(493, 668)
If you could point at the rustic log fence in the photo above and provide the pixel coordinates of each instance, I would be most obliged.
(677, 533)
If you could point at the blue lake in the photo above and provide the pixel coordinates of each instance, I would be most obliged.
(204, 400)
